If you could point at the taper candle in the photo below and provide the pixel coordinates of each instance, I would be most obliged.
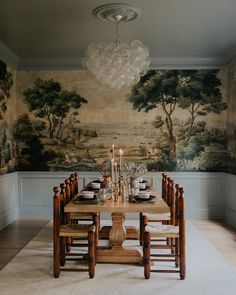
(113, 152)
(121, 159)
(112, 170)
(115, 172)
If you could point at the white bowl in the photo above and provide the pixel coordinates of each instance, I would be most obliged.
(144, 195)
(87, 194)
(142, 185)
(95, 185)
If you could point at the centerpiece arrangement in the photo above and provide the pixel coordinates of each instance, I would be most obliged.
(133, 172)
(113, 172)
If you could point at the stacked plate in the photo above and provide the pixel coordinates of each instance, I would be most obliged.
(144, 194)
(95, 185)
(86, 195)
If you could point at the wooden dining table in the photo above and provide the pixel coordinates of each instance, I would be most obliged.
(116, 252)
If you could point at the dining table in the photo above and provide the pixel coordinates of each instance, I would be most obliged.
(117, 252)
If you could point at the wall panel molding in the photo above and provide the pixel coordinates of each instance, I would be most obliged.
(8, 199)
(230, 199)
(29, 194)
(203, 192)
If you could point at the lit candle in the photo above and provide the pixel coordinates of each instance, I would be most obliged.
(121, 158)
(112, 170)
(115, 172)
(113, 153)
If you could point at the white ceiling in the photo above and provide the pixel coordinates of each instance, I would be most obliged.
(57, 32)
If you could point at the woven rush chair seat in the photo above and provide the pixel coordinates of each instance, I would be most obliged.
(76, 230)
(158, 216)
(163, 230)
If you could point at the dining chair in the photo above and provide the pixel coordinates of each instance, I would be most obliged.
(71, 190)
(167, 191)
(176, 231)
(63, 229)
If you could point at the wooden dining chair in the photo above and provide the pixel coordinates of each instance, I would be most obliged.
(63, 229)
(167, 192)
(176, 231)
(71, 190)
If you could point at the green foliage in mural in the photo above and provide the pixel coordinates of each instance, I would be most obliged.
(32, 155)
(189, 151)
(199, 94)
(215, 136)
(164, 163)
(6, 82)
(197, 129)
(48, 101)
(196, 91)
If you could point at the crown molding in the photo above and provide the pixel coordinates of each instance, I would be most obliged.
(156, 63)
(50, 64)
(8, 56)
(230, 56)
(187, 63)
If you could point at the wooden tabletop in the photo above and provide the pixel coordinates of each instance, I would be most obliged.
(159, 206)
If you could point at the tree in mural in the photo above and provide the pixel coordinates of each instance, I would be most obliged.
(158, 88)
(200, 94)
(197, 91)
(47, 99)
(6, 82)
(32, 155)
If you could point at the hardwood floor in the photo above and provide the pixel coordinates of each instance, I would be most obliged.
(16, 235)
(221, 235)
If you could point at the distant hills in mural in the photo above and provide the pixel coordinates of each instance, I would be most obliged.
(188, 132)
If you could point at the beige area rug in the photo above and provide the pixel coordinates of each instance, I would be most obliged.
(30, 272)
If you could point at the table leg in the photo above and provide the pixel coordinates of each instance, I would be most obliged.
(117, 234)
(116, 253)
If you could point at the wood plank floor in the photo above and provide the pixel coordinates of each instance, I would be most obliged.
(16, 235)
(221, 235)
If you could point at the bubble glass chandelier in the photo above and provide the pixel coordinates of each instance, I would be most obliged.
(117, 64)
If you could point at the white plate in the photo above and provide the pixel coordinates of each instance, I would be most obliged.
(95, 185)
(87, 194)
(144, 195)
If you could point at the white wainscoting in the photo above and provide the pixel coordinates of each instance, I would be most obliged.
(204, 192)
(230, 199)
(29, 194)
(8, 199)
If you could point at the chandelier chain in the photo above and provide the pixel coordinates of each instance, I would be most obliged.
(117, 33)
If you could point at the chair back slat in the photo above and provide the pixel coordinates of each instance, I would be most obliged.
(56, 210)
(176, 220)
(67, 190)
(76, 183)
(164, 186)
(72, 190)
(181, 207)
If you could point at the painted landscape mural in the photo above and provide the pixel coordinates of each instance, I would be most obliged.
(7, 143)
(172, 120)
(231, 120)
